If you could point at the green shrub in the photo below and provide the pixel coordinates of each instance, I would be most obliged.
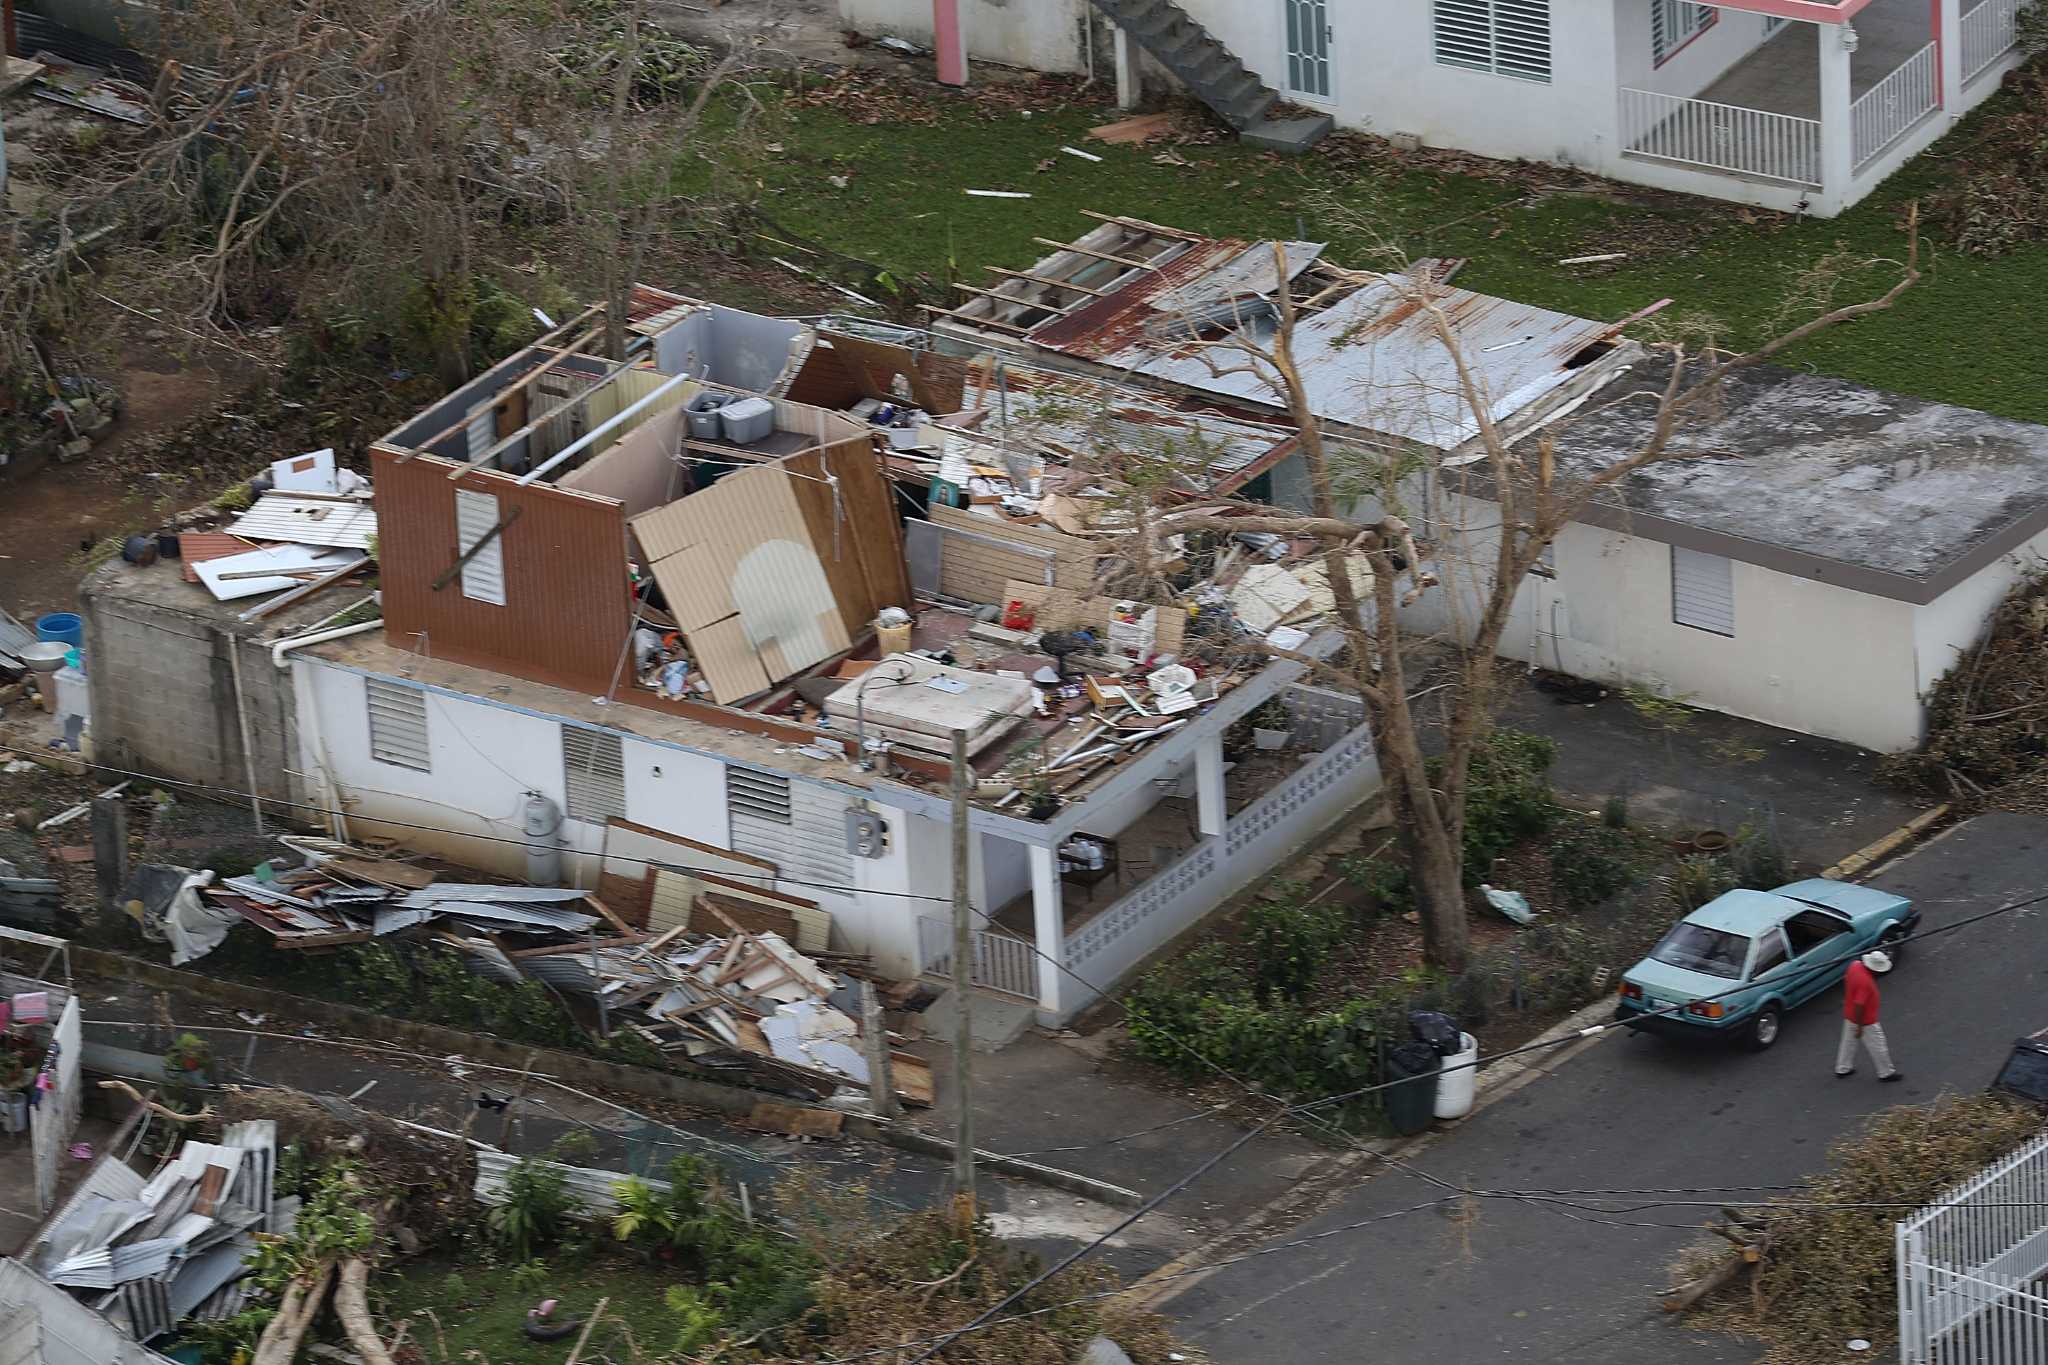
(1697, 879)
(1614, 812)
(439, 987)
(1382, 879)
(1289, 941)
(537, 1207)
(1588, 864)
(1508, 797)
(1759, 860)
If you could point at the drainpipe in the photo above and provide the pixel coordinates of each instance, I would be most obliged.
(278, 650)
(242, 720)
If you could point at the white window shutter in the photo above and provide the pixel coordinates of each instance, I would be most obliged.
(398, 724)
(1703, 591)
(798, 826)
(594, 774)
(1506, 37)
(483, 573)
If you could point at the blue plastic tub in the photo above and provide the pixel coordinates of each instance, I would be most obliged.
(65, 627)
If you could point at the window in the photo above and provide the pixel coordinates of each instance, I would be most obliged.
(483, 573)
(398, 724)
(1770, 952)
(1774, 22)
(1674, 23)
(1703, 591)
(1812, 929)
(594, 773)
(798, 826)
(1697, 948)
(1506, 37)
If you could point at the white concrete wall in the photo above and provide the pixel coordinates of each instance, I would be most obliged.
(1953, 622)
(1806, 656)
(1044, 35)
(1693, 67)
(486, 756)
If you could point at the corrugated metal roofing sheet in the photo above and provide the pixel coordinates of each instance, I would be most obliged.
(14, 636)
(306, 520)
(499, 895)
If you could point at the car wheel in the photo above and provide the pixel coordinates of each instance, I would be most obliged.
(1892, 941)
(1763, 1030)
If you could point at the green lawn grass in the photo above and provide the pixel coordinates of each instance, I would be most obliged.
(1975, 332)
(479, 1308)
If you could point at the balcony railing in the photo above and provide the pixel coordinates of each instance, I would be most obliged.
(1895, 104)
(1989, 32)
(1720, 137)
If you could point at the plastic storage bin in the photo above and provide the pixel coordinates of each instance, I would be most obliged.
(1411, 1100)
(748, 420)
(65, 627)
(702, 415)
(74, 696)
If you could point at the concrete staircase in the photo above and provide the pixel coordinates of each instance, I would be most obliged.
(1214, 74)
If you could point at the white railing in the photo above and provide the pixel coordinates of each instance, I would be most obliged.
(1002, 962)
(1968, 1265)
(1895, 104)
(1720, 137)
(1989, 32)
(1173, 899)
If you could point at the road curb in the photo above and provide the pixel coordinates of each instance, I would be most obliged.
(1879, 850)
(1311, 1193)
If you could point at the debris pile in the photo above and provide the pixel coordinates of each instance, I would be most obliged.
(310, 525)
(148, 1255)
(740, 1000)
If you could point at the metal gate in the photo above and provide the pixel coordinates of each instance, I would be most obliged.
(1970, 1268)
(1002, 961)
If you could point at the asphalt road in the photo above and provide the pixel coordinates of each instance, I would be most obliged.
(1523, 1282)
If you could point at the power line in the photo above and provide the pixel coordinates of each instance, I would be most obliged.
(984, 1318)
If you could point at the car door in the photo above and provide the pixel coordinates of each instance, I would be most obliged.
(1821, 944)
(1769, 966)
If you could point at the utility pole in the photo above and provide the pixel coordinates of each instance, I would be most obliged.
(963, 998)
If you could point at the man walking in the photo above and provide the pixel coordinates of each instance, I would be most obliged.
(1859, 1017)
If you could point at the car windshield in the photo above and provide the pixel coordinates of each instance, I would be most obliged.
(1700, 949)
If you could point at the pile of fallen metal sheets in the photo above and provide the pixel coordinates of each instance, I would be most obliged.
(148, 1254)
(347, 896)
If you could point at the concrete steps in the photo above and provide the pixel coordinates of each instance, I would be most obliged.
(1214, 74)
(999, 1020)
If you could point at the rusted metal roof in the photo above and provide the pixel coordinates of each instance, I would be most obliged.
(1108, 323)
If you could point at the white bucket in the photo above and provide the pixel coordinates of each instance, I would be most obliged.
(1455, 1087)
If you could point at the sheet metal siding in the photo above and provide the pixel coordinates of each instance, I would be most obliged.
(1107, 324)
(566, 609)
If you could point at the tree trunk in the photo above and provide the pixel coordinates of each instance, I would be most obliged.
(352, 1306)
(1436, 875)
(279, 1344)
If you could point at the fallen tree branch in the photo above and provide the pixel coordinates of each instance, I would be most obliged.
(161, 1111)
(352, 1306)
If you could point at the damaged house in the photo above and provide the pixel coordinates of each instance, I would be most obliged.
(697, 624)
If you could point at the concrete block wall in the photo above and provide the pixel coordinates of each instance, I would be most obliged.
(163, 697)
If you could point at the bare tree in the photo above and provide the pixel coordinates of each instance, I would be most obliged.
(1535, 500)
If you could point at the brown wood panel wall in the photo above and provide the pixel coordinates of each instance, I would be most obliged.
(567, 606)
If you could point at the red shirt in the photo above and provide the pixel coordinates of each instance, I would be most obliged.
(1859, 995)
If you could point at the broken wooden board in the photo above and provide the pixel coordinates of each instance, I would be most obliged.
(397, 876)
(769, 1117)
(1142, 128)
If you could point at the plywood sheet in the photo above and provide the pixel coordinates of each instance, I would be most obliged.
(723, 651)
(674, 903)
(975, 569)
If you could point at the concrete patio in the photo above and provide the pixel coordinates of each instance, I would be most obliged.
(1783, 75)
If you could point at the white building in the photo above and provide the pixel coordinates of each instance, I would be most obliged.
(1788, 104)
(1834, 552)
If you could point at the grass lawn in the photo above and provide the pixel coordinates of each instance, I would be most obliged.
(481, 1309)
(1971, 333)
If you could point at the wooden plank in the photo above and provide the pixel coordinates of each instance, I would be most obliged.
(304, 591)
(605, 911)
(318, 938)
(1098, 255)
(1046, 280)
(1131, 131)
(913, 1076)
(448, 574)
(769, 1117)
(397, 876)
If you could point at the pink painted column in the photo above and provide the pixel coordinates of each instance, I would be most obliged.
(949, 40)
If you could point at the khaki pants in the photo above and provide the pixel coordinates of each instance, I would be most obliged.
(1873, 1040)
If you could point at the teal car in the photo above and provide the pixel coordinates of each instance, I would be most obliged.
(1732, 968)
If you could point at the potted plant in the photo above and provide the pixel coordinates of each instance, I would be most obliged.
(1272, 726)
(1040, 803)
(190, 1060)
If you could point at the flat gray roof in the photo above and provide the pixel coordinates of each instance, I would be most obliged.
(1822, 478)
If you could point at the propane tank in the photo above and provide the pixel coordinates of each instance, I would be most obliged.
(543, 820)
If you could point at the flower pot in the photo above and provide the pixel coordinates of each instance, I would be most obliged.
(1269, 740)
(1710, 841)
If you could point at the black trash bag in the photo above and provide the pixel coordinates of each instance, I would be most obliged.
(1440, 1031)
(1410, 1102)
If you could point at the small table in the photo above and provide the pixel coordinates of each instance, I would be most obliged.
(1091, 876)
